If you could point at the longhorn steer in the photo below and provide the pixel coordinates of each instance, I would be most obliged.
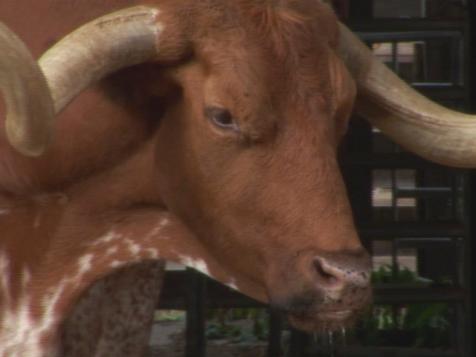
(201, 131)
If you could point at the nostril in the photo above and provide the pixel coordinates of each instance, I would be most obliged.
(338, 273)
(327, 274)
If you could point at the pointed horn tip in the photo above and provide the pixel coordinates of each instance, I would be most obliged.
(28, 152)
(29, 148)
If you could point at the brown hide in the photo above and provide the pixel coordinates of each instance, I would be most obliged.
(138, 169)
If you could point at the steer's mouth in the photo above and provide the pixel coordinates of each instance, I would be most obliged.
(324, 292)
(317, 312)
(324, 321)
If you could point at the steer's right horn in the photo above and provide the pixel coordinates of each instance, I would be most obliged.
(95, 50)
(410, 119)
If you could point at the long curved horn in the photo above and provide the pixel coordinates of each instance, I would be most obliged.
(105, 45)
(410, 119)
(27, 97)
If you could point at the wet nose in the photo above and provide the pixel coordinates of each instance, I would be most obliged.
(334, 274)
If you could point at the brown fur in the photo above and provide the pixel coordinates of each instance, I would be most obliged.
(257, 206)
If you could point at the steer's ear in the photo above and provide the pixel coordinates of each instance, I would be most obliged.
(122, 39)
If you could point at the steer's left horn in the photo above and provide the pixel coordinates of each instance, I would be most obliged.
(410, 119)
(27, 97)
(95, 50)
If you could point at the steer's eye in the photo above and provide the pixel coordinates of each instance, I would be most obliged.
(221, 117)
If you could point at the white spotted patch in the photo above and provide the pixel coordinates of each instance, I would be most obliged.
(37, 221)
(21, 333)
(197, 264)
(232, 284)
(163, 222)
(128, 250)
(108, 238)
(85, 263)
(133, 247)
(4, 211)
(25, 278)
(5, 274)
(153, 253)
(112, 250)
(117, 263)
(160, 226)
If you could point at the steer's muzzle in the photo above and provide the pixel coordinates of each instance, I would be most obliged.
(328, 291)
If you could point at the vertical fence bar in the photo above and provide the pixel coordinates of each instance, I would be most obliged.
(298, 343)
(275, 329)
(195, 345)
(470, 266)
(470, 72)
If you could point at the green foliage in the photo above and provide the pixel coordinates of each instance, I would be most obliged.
(238, 325)
(169, 315)
(217, 331)
(412, 325)
(386, 275)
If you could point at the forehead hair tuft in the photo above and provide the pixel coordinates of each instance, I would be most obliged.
(290, 27)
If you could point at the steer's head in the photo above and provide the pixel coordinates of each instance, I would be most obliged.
(247, 155)
(257, 100)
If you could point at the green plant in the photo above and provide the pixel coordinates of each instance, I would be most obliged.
(169, 315)
(412, 325)
(238, 325)
(385, 275)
